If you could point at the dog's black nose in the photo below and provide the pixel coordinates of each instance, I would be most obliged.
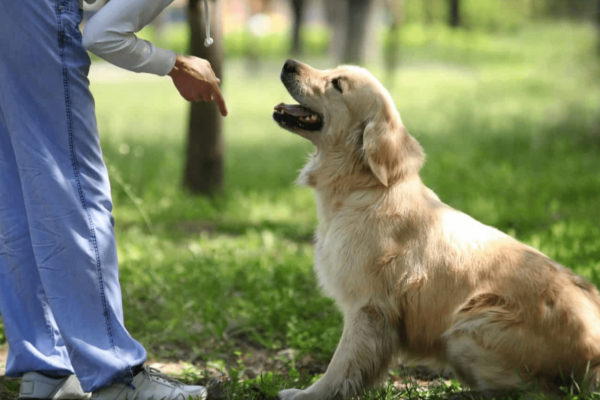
(290, 67)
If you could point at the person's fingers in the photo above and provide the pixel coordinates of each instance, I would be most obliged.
(218, 97)
(205, 95)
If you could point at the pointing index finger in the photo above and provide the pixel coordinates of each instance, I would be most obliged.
(219, 100)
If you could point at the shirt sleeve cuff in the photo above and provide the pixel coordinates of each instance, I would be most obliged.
(161, 62)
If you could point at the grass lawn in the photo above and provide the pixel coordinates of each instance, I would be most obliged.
(511, 128)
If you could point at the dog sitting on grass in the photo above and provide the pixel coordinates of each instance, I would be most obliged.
(414, 278)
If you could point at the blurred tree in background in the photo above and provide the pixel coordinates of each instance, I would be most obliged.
(350, 29)
(391, 51)
(298, 8)
(204, 166)
(336, 18)
(454, 13)
(356, 30)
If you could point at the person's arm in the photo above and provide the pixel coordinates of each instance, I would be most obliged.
(110, 34)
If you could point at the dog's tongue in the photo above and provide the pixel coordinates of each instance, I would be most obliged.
(293, 109)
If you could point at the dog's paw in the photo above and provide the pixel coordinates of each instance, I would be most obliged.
(288, 394)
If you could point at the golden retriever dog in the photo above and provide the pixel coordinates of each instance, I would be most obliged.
(414, 278)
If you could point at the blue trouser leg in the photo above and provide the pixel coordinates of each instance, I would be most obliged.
(49, 119)
(35, 342)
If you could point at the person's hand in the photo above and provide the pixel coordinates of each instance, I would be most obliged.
(195, 80)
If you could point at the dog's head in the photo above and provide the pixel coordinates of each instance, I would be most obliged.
(349, 116)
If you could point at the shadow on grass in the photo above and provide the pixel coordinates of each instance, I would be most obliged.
(151, 165)
(238, 228)
(9, 388)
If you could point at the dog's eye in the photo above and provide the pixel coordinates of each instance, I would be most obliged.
(336, 84)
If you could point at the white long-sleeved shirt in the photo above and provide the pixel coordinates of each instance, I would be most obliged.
(110, 34)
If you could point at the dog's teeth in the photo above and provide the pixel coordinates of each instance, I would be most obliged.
(310, 118)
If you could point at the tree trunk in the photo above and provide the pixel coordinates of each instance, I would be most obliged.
(204, 166)
(358, 18)
(454, 13)
(392, 48)
(427, 12)
(337, 11)
(298, 9)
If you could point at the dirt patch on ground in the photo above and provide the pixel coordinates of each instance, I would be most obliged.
(251, 362)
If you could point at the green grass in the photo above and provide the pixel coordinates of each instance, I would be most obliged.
(509, 123)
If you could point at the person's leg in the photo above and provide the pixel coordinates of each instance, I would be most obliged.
(51, 122)
(34, 341)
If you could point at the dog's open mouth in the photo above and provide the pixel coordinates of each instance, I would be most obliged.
(297, 116)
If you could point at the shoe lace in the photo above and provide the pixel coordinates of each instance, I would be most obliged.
(153, 372)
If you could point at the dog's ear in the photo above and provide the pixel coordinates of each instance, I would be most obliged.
(380, 149)
(389, 150)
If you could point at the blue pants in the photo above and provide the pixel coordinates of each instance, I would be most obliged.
(60, 297)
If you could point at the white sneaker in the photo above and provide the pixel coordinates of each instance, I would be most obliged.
(150, 384)
(40, 387)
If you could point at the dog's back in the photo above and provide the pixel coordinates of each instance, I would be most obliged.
(506, 314)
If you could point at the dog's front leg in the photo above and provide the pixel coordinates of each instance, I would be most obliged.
(368, 344)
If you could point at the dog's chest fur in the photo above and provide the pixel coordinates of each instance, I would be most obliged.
(347, 243)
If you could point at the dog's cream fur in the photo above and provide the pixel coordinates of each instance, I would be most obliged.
(418, 280)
